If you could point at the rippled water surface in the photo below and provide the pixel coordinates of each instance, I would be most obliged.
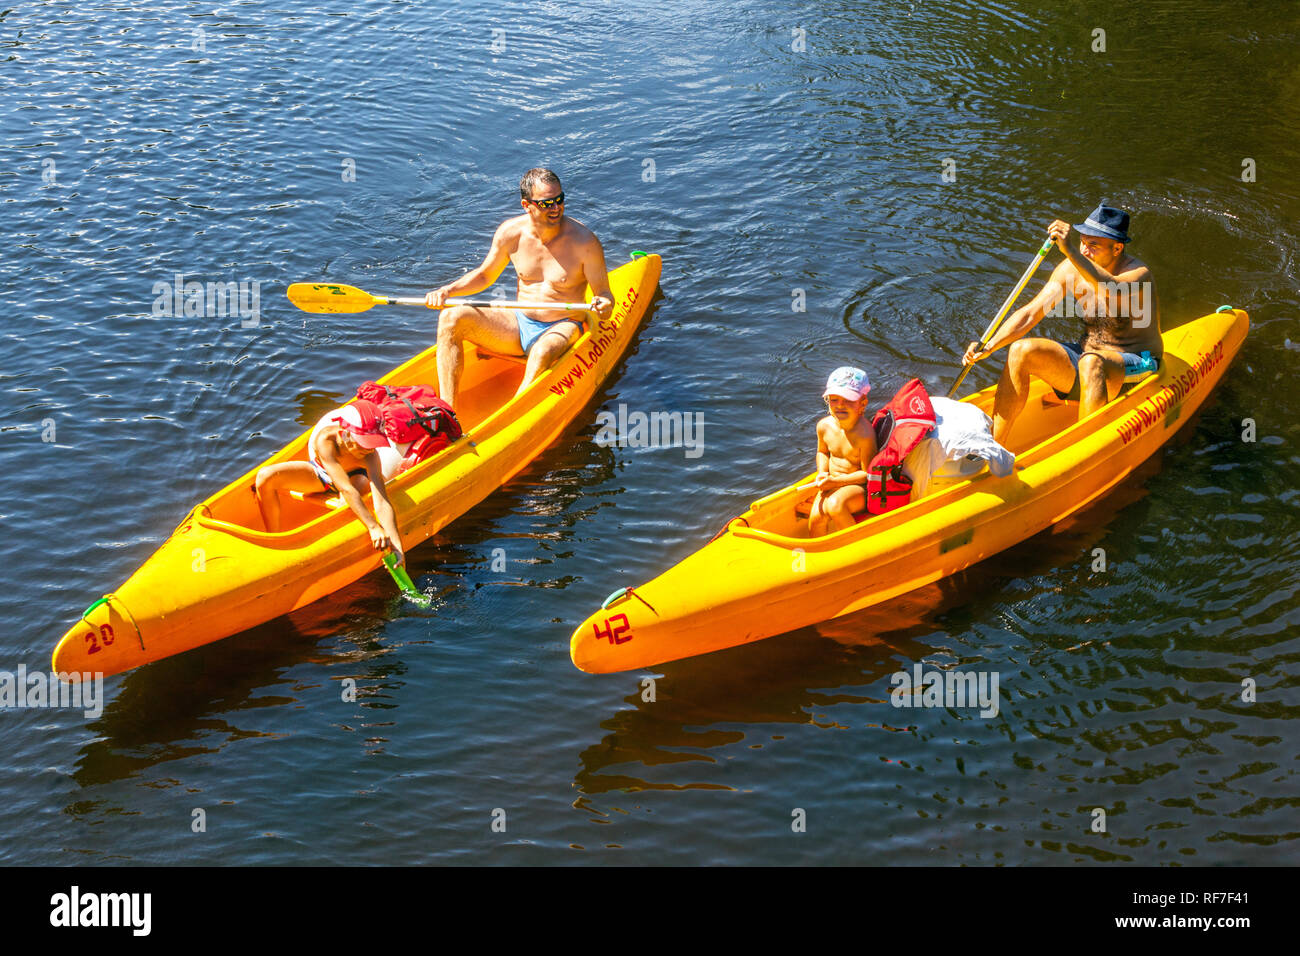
(770, 153)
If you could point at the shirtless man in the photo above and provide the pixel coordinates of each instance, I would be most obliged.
(555, 259)
(1121, 320)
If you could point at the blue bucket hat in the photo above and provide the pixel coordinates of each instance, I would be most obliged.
(1106, 222)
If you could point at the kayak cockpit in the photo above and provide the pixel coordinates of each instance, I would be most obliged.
(488, 384)
(784, 514)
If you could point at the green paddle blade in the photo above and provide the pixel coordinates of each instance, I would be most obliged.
(324, 298)
(404, 581)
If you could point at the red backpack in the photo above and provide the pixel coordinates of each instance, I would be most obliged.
(413, 413)
(902, 423)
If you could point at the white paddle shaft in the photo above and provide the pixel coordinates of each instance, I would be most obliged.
(498, 304)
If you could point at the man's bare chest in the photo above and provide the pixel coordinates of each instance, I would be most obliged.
(557, 264)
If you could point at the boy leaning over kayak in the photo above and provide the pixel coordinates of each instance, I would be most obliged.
(846, 443)
(347, 452)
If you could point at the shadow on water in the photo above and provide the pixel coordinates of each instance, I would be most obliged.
(188, 704)
(791, 677)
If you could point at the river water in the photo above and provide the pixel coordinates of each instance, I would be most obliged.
(889, 167)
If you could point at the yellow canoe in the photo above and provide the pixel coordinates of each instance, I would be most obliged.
(220, 573)
(762, 575)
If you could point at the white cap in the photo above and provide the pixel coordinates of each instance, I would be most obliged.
(847, 382)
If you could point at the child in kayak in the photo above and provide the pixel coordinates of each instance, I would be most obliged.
(347, 452)
(846, 443)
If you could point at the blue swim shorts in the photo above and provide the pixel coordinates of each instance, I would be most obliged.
(530, 330)
(1135, 367)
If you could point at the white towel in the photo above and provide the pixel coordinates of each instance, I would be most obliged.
(962, 429)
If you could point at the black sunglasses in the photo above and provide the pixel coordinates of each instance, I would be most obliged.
(548, 203)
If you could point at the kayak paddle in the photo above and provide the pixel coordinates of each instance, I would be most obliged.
(404, 581)
(1006, 307)
(324, 298)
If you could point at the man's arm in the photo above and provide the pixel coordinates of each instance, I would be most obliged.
(1104, 283)
(476, 280)
(597, 276)
(1124, 294)
(1020, 322)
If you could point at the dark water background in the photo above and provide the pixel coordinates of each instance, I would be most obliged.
(775, 169)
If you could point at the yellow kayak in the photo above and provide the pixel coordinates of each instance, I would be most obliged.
(762, 575)
(220, 573)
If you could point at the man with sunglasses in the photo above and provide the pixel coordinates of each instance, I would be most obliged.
(555, 259)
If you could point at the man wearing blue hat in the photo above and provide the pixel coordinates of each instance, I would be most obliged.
(1114, 296)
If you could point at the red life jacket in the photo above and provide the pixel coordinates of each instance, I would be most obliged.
(413, 413)
(902, 423)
